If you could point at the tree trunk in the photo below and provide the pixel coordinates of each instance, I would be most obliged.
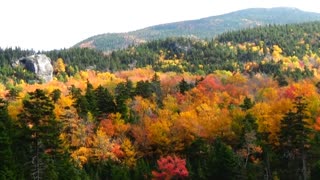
(36, 161)
(304, 165)
(267, 168)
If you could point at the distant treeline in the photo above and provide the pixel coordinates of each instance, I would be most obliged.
(230, 51)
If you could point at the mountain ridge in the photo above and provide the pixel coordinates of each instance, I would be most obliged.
(202, 28)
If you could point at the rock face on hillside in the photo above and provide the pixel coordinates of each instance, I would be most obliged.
(39, 64)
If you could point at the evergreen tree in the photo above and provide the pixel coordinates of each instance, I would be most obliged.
(130, 89)
(105, 101)
(156, 89)
(7, 165)
(184, 86)
(80, 101)
(55, 95)
(91, 99)
(222, 162)
(43, 130)
(82, 106)
(294, 139)
(281, 80)
(247, 104)
(143, 89)
(122, 94)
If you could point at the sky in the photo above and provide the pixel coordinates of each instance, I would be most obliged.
(57, 24)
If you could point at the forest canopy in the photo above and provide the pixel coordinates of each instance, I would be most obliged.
(244, 105)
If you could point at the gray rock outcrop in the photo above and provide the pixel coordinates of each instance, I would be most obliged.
(39, 64)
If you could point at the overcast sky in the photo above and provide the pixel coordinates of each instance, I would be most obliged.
(55, 24)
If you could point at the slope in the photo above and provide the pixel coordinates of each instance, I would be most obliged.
(202, 28)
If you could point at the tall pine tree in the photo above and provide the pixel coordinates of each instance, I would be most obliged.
(294, 139)
(43, 130)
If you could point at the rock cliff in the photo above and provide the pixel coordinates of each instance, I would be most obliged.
(39, 64)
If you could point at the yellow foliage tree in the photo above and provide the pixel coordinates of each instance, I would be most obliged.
(276, 54)
(62, 103)
(269, 116)
(102, 149)
(130, 154)
(120, 127)
(59, 66)
(81, 156)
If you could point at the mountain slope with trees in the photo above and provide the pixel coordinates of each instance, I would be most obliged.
(275, 49)
(244, 105)
(205, 28)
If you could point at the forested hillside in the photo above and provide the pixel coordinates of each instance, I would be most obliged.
(280, 50)
(233, 51)
(205, 28)
(244, 105)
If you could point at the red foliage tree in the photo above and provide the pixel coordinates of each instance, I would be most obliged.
(290, 92)
(210, 84)
(170, 168)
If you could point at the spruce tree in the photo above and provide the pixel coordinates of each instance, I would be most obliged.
(143, 89)
(122, 93)
(294, 138)
(7, 165)
(105, 101)
(184, 86)
(91, 98)
(222, 162)
(43, 131)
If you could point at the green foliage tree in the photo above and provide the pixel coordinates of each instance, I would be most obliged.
(294, 138)
(105, 101)
(142, 170)
(143, 89)
(156, 89)
(223, 163)
(91, 99)
(55, 95)
(123, 92)
(7, 165)
(184, 86)
(247, 104)
(42, 129)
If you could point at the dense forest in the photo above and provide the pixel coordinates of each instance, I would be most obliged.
(244, 105)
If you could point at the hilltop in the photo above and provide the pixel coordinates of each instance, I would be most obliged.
(205, 28)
